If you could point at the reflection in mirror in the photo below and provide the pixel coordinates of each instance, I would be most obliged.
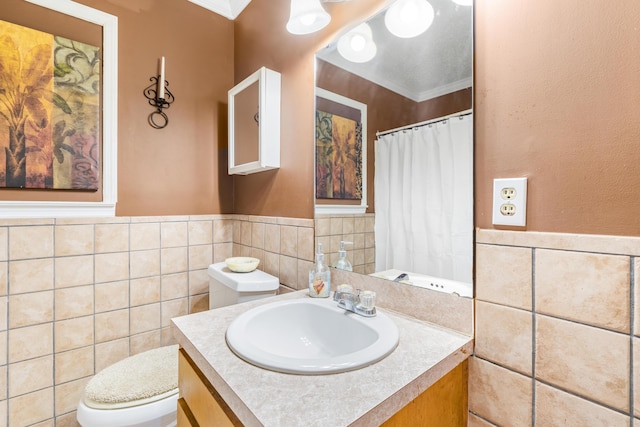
(245, 125)
(419, 219)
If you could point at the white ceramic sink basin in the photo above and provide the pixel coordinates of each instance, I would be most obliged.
(310, 336)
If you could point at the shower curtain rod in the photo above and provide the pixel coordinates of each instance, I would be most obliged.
(425, 123)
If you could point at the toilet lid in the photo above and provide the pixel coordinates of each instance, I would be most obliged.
(136, 380)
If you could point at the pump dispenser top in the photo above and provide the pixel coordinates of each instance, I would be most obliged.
(343, 263)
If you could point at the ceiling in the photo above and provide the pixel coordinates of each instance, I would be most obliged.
(437, 62)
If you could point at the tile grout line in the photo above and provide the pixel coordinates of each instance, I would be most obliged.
(584, 397)
(631, 335)
(552, 248)
(93, 258)
(54, 322)
(7, 317)
(533, 336)
(129, 241)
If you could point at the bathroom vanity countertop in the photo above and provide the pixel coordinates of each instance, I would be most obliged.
(363, 397)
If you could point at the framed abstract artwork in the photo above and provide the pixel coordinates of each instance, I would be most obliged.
(341, 146)
(49, 110)
(58, 115)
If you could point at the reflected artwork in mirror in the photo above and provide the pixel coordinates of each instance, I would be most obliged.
(418, 224)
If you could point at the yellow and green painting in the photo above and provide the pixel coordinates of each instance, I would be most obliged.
(49, 111)
(338, 157)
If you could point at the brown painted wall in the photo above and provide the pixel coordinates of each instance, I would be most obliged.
(444, 105)
(386, 109)
(181, 169)
(557, 100)
(261, 39)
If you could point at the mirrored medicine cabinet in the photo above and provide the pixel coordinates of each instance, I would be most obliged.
(254, 123)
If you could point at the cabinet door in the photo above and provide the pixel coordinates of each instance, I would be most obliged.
(443, 404)
(202, 400)
(185, 417)
(254, 123)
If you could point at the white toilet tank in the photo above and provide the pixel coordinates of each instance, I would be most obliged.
(227, 287)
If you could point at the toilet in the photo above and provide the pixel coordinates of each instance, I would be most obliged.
(142, 390)
(227, 287)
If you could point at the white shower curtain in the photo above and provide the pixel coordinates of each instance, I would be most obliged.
(424, 199)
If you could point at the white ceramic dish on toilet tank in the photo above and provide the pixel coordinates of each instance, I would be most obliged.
(310, 336)
(242, 264)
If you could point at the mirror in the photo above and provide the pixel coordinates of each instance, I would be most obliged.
(408, 83)
(245, 125)
(254, 123)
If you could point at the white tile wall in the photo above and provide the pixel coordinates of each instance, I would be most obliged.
(79, 295)
(556, 330)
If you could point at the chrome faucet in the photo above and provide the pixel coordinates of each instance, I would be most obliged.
(351, 302)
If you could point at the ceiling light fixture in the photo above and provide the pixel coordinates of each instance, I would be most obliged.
(463, 2)
(358, 45)
(307, 16)
(409, 18)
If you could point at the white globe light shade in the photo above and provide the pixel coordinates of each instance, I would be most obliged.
(409, 18)
(358, 45)
(307, 16)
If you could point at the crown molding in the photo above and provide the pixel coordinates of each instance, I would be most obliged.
(230, 9)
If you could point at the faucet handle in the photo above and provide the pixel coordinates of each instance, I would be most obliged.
(367, 299)
(344, 289)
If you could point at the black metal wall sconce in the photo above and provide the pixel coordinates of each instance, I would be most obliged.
(160, 98)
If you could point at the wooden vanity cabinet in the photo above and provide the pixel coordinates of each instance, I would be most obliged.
(445, 403)
(442, 404)
(199, 404)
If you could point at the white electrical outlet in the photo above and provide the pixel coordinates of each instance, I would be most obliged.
(510, 201)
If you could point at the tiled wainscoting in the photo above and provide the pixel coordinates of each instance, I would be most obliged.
(78, 295)
(283, 245)
(557, 330)
(358, 229)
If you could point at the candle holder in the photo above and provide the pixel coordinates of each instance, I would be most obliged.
(158, 119)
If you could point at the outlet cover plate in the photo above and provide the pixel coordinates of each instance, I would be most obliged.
(512, 194)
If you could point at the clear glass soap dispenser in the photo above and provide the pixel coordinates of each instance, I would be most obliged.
(320, 277)
(343, 263)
